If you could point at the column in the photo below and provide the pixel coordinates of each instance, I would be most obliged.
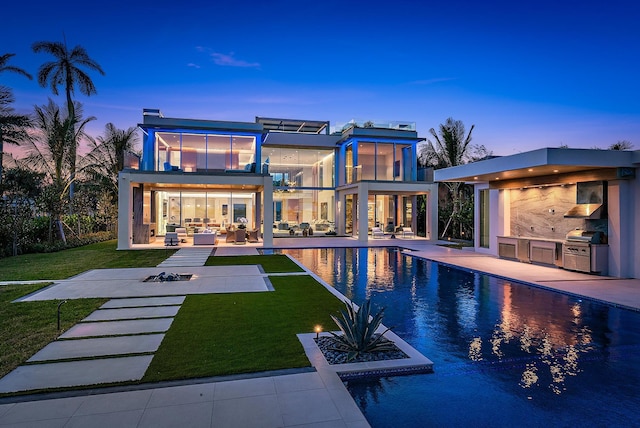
(363, 205)
(125, 235)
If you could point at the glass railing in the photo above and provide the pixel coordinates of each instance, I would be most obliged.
(397, 125)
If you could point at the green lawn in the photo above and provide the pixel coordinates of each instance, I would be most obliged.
(28, 326)
(221, 334)
(273, 263)
(67, 263)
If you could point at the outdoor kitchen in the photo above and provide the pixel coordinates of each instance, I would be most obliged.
(562, 225)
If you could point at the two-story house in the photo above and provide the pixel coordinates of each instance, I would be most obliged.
(280, 176)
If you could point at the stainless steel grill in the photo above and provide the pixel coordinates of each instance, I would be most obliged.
(578, 253)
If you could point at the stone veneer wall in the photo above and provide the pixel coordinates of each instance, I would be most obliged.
(530, 216)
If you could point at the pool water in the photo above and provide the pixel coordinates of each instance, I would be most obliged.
(504, 353)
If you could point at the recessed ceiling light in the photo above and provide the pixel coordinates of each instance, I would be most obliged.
(497, 178)
(530, 170)
(555, 170)
(475, 178)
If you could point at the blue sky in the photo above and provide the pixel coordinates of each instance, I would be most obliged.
(527, 74)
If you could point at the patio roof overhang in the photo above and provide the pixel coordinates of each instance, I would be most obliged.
(197, 182)
(544, 166)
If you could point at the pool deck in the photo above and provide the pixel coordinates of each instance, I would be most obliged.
(278, 399)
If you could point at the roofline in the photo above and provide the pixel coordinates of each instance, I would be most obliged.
(587, 158)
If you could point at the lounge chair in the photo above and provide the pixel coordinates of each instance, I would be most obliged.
(182, 233)
(171, 239)
(376, 233)
(407, 233)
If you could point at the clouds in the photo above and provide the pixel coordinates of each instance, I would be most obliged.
(229, 60)
(224, 59)
(432, 81)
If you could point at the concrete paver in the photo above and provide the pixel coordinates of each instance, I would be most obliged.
(112, 328)
(143, 301)
(44, 410)
(127, 283)
(75, 373)
(277, 401)
(188, 256)
(98, 347)
(128, 419)
(133, 313)
(181, 415)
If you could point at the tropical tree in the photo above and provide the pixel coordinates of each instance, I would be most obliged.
(621, 145)
(49, 153)
(451, 146)
(12, 126)
(106, 158)
(67, 69)
(4, 60)
(18, 227)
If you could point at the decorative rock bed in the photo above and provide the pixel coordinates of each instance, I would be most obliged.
(168, 277)
(332, 356)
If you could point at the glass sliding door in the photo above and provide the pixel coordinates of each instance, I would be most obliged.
(484, 218)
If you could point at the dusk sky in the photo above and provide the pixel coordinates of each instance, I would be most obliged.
(527, 74)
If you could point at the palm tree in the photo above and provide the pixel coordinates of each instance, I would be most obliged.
(13, 127)
(451, 148)
(67, 69)
(4, 59)
(106, 158)
(49, 153)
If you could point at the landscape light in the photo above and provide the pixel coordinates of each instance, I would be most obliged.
(318, 330)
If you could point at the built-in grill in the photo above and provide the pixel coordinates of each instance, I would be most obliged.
(579, 252)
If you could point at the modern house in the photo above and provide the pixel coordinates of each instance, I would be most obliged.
(570, 208)
(282, 177)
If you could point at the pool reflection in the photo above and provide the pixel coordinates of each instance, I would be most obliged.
(529, 353)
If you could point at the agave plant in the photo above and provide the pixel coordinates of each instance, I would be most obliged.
(359, 331)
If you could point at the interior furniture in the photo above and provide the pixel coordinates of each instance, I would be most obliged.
(377, 233)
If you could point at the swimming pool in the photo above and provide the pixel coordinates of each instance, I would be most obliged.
(504, 353)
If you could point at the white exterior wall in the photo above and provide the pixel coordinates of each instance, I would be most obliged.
(622, 229)
(125, 212)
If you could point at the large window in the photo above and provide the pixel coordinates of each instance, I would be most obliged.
(379, 161)
(191, 152)
(202, 209)
(300, 168)
(484, 218)
(312, 206)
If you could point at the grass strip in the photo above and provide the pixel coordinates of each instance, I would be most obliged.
(67, 263)
(29, 326)
(271, 263)
(221, 334)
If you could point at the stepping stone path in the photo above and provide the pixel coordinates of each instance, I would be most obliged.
(187, 256)
(114, 344)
